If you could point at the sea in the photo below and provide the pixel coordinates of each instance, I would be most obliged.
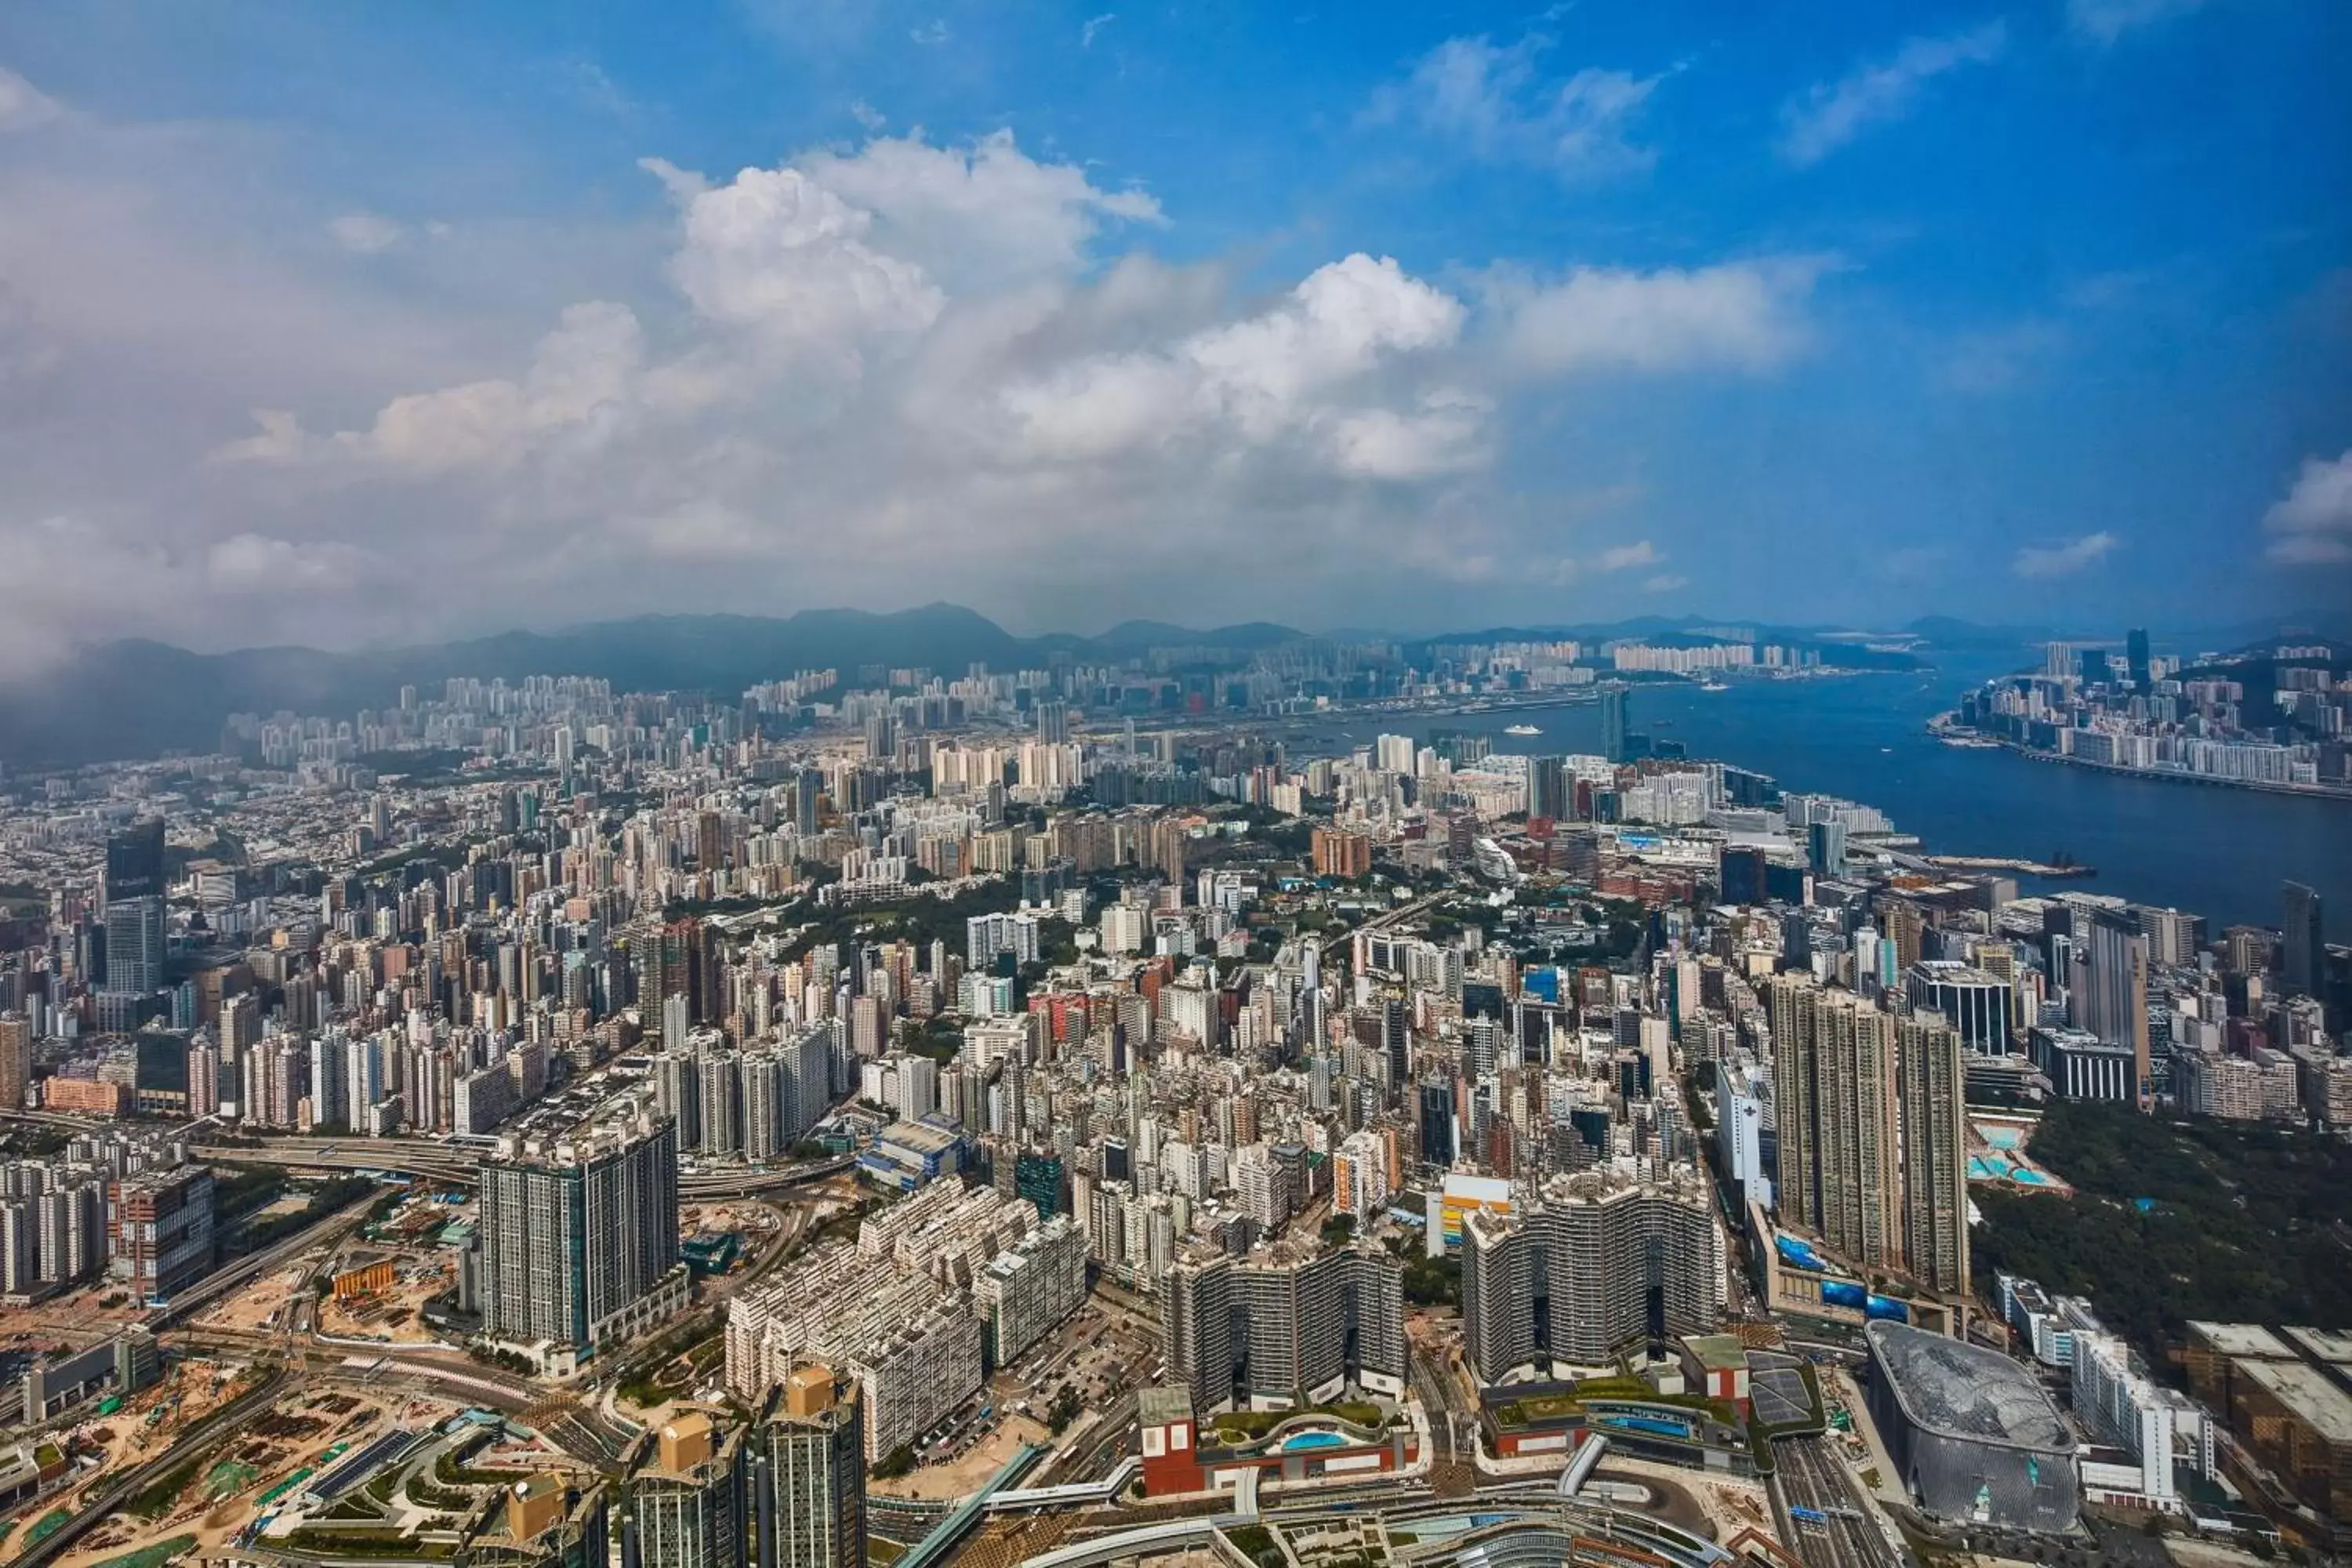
(2205, 849)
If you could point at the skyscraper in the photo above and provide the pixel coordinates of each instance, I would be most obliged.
(1834, 1080)
(1825, 848)
(2136, 655)
(2108, 987)
(808, 1476)
(1929, 1081)
(135, 945)
(1615, 716)
(684, 1506)
(1974, 1002)
(1551, 787)
(134, 861)
(580, 1237)
(2303, 953)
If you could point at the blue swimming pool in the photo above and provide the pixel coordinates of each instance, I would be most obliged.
(1312, 1440)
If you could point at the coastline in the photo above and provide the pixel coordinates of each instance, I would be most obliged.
(1941, 726)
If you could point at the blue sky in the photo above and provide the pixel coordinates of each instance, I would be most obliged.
(347, 323)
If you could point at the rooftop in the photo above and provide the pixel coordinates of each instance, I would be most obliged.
(2330, 1345)
(2242, 1340)
(1158, 1406)
(1959, 1390)
(1461, 1187)
(2306, 1391)
(1716, 1352)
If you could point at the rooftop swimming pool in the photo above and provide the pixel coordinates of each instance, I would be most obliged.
(1298, 1440)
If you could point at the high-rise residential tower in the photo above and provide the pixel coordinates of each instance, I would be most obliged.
(579, 1236)
(1833, 1081)
(1929, 1083)
(808, 1475)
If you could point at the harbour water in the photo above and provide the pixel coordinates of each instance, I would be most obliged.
(2219, 852)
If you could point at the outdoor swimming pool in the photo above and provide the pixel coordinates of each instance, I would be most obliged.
(1312, 1440)
(1994, 1168)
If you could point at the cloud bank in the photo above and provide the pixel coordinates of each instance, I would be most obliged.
(876, 373)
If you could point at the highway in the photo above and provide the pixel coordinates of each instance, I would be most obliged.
(1383, 921)
(457, 1166)
(1810, 1475)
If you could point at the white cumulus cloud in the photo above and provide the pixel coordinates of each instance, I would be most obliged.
(2312, 524)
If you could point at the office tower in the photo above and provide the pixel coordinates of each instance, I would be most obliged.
(1976, 1005)
(1590, 1267)
(2094, 665)
(134, 862)
(1741, 879)
(2174, 940)
(1616, 714)
(1833, 1066)
(579, 1236)
(1301, 1332)
(808, 1475)
(2136, 655)
(134, 945)
(1053, 723)
(1437, 1122)
(684, 1506)
(1929, 1083)
(1550, 788)
(15, 1061)
(2304, 953)
(1825, 848)
(2108, 988)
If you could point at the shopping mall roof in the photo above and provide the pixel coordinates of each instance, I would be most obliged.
(1958, 1390)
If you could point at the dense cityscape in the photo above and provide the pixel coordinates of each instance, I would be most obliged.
(910, 784)
(1050, 1115)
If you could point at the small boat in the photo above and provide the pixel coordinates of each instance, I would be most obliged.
(1713, 686)
(1521, 729)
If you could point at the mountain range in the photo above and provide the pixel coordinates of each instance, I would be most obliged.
(141, 699)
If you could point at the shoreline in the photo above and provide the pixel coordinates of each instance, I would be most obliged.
(1940, 726)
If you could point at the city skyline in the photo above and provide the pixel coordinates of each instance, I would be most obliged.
(899, 783)
(1463, 320)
